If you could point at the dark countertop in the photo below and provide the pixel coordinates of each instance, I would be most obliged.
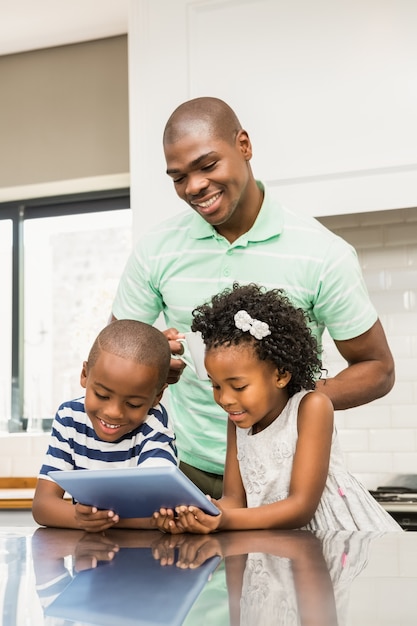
(247, 578)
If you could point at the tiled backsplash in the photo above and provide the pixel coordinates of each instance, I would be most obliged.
(379, 438)
(21, 454)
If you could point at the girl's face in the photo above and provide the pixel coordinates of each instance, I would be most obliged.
(249, 390)
(119, 394)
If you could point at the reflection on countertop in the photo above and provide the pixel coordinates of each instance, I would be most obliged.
(52, 577)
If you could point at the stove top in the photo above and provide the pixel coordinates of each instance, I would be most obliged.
(399, 497)
(394, 496)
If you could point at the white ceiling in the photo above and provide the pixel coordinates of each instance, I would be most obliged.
(32, 24)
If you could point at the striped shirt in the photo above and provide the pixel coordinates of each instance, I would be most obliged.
(184, 261)
(74, 444)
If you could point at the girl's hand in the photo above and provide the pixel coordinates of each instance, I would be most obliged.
(93, 520)
(165, 521)
(185, 551)
(194, 520)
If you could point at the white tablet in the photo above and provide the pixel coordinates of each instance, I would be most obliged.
(133, 492)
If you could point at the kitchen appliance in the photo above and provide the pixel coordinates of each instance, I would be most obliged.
(398, 496)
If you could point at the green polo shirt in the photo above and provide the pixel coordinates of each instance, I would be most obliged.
(184, 261)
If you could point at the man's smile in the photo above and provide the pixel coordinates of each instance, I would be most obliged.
(206, 204)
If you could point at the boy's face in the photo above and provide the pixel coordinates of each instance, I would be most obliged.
(119, 394)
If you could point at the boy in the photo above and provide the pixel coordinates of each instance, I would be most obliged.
(118, 422)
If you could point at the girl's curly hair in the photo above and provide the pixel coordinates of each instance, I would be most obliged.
(291, 347)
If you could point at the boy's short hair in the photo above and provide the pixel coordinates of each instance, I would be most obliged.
(137, 341)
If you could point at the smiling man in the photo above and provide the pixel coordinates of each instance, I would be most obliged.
(236, 231)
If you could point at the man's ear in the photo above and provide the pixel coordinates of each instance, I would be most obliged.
(159, 395)
(244, 144)
(83, 376)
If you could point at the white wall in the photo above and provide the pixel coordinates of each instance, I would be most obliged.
(327, 90)
(380, 438)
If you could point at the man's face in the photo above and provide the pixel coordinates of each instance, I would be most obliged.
(210, 174)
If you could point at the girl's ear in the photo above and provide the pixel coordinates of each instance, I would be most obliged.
(83, 377)
(283, 379)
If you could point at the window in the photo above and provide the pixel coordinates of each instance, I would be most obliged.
(61, 262)
(6, 246)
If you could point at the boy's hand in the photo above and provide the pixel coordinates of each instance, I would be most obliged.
(92, 549)
(93, 520)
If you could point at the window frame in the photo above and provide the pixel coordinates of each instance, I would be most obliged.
(18, 212)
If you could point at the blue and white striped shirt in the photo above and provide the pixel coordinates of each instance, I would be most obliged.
(75, 445)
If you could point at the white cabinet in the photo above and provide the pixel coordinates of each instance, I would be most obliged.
(327, 91)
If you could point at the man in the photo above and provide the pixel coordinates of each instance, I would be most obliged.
(237, 232)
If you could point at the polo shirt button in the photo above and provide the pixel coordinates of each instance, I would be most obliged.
(226, 271)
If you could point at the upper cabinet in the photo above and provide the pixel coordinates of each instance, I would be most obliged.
(326, 90)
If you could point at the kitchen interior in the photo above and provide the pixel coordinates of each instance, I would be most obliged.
(331, 143)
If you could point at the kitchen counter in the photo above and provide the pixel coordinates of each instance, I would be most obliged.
(266, 578)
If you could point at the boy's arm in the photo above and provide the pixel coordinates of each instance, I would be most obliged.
(50, 509)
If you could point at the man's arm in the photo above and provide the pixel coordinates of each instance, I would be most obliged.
(370, 372)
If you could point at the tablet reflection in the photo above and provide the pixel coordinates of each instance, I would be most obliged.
(273, 578)
(113, 578)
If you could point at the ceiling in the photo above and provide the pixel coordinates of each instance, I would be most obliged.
(33, 24)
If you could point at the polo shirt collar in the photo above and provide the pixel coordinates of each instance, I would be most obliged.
(269, 223)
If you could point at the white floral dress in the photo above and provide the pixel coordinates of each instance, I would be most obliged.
(265, 461)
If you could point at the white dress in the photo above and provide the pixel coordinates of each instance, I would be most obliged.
(265, 461)
(269, 591)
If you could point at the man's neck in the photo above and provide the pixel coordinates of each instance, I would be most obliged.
(244, 217)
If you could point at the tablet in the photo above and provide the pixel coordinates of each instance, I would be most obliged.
(132, 590)
(135, 491)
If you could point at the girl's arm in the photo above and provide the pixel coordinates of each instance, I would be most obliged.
(234, 495)
(308, 478)
(188, 517)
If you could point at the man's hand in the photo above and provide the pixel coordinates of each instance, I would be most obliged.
(177, 349)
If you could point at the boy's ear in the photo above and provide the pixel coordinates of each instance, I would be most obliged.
(283, 379)
(159, 395)
(83, 376)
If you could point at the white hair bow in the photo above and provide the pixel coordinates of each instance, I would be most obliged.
(245, 322)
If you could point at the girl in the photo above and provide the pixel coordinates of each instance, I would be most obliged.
(284, 467)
